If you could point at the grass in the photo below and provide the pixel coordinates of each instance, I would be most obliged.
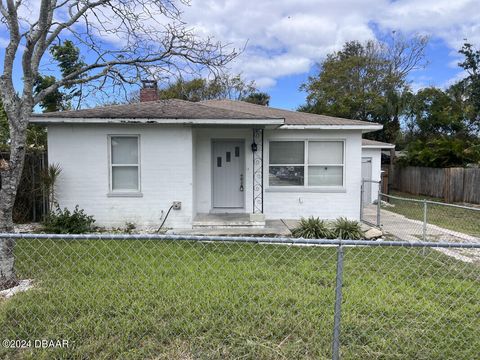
(183, 300)
(461, 220)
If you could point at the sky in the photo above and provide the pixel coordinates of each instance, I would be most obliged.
(283, 40)
(287, 38)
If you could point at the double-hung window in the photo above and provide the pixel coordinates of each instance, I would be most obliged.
(287, 163)
(309, 163)
(124, 163)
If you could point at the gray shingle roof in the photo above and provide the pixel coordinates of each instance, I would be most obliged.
(291, 117)
(379, 144)
(210, 109)
(161, 109)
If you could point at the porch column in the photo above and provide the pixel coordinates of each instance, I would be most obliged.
(257, 148)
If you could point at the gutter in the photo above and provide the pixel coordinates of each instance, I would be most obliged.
(372, 127)
(240, 121)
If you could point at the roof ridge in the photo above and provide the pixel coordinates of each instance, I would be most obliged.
(293, 112)
(203, 103)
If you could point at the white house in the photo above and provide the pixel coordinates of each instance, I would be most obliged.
(372, 167)
(131, 163)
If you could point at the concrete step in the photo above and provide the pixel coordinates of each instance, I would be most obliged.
(225, 221)
(227, 225)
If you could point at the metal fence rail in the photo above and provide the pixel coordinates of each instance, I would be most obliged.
(415, 219)
(421, 219)
(167, 296)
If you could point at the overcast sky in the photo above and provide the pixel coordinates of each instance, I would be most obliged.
(286, 38)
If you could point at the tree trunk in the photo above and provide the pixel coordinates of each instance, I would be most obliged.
(10, 174)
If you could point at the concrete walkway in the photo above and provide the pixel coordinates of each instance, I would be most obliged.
(400, 227)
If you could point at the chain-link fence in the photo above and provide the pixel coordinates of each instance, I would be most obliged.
(369, 193)
(411, 218)
(188, 297)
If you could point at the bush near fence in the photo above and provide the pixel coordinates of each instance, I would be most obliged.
(450, 184)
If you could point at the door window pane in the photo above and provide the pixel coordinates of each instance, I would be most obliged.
(286, 176)
(125, 178)
(325, 175)
(325, 152)
(124, 150)
(287, 152)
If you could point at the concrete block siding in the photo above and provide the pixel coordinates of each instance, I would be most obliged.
(176, 166)
(166, 173)
(326, 204)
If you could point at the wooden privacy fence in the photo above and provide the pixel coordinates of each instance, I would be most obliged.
(450, 184)
(31, 201)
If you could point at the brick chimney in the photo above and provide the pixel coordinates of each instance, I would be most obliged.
(149, 91)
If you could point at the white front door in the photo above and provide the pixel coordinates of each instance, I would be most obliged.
(228, 174)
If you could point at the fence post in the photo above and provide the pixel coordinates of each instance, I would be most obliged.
(424, 220)
(379, 202)
(361, 199)
(338, 305)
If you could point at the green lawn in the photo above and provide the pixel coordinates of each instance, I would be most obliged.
(462, 220)
(183, 300)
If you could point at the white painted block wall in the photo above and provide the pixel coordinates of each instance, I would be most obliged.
(324, 204)
(166, 173)
(176, 166)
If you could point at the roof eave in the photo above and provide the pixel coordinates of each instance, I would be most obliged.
(240, 121)
(364, 128)
(387, 146)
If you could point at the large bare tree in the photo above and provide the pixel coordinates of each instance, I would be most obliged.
(121, 42)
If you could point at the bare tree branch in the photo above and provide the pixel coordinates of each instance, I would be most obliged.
(122, 41)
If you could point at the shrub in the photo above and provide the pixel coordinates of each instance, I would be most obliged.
(67, 222)
(129, 227)
(313, 228)
(348, 229)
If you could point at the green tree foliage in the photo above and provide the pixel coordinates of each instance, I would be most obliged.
(346, 85)
(259, 98)
(222, 87)
(442, 126)
(191, 90)
(53, 101)
(67, 56)
(36, 135)
(367, 81)
(441, 152)
(434, 113)
(470, 86)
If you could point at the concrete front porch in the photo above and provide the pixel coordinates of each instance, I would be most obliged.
(271, 228)
(228, 220)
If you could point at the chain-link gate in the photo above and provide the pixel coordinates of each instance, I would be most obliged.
(369, 205)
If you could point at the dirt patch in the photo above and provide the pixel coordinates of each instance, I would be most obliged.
(23, 285)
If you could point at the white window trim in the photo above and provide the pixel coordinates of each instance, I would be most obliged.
(123, 193)
(306, 165)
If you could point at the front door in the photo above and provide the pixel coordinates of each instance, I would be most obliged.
(228, 174)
